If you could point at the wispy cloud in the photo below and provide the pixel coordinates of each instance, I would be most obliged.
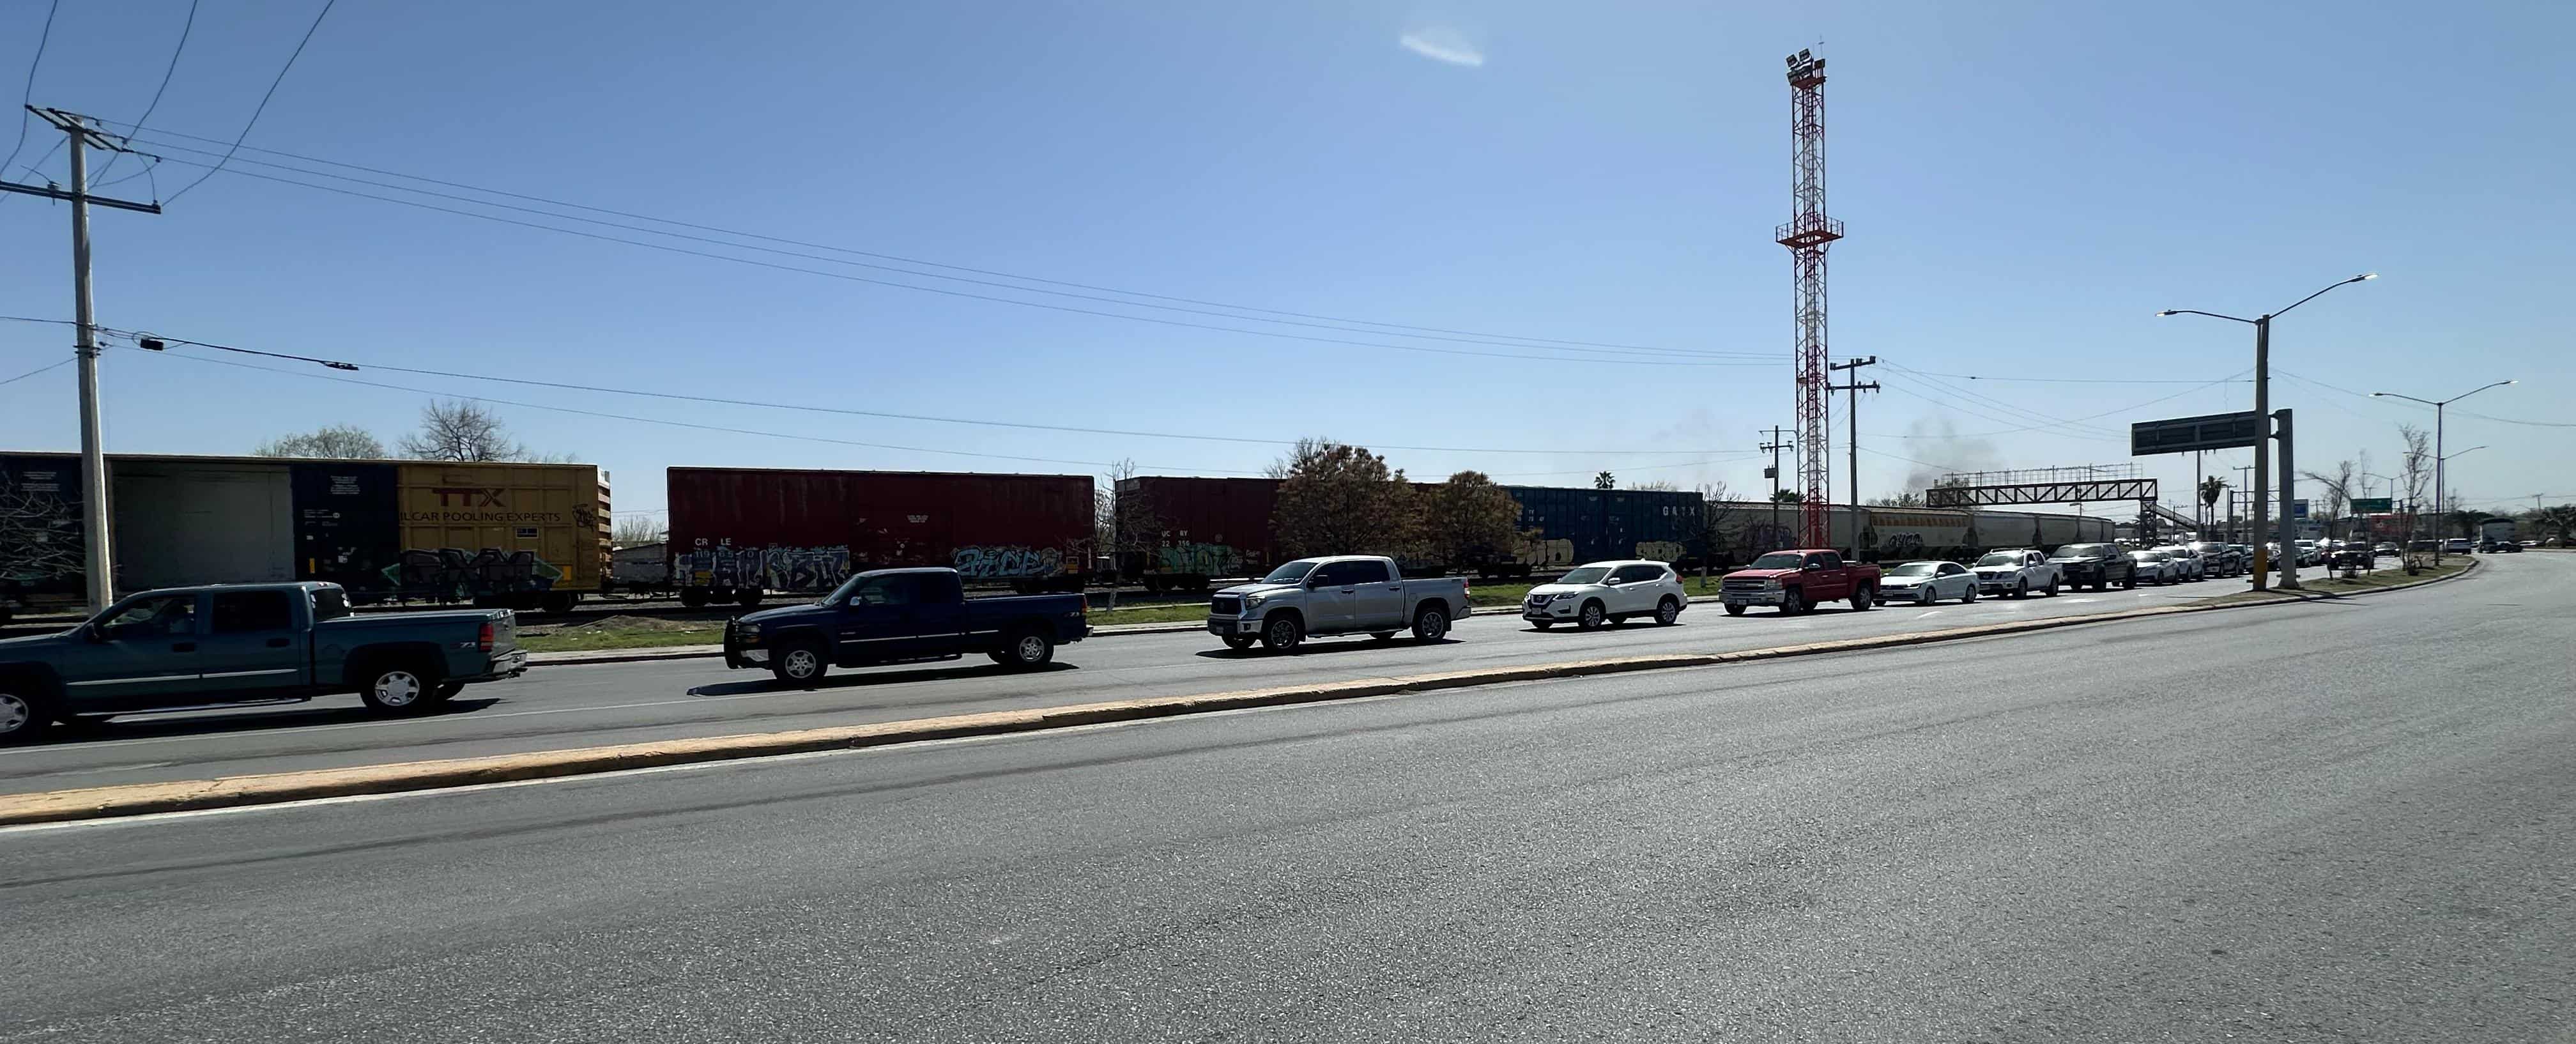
(1442, 44)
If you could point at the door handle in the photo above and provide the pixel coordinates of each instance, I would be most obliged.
(279, 643)
(183, 647)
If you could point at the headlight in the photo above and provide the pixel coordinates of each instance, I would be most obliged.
(1250, 601)
(1773, 584)
(1563, 596)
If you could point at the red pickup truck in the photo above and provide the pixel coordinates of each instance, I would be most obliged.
(1797, 581)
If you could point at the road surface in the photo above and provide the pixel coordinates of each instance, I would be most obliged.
(2327, 822)
(560, 706)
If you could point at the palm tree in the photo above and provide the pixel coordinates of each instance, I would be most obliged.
(2560, 519)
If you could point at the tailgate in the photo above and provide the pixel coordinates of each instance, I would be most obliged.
(505, 631)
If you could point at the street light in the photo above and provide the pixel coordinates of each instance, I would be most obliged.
(2439, 504)
(2263, 416)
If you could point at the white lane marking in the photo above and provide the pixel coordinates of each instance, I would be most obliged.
(1935, 612)
(2080, 601)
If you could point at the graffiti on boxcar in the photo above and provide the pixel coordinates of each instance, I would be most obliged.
(1005, 563)
(769, 568)
(452, 573)
(40, 531)
(1196, 559)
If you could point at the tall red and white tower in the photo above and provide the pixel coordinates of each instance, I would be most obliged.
(1807, 235)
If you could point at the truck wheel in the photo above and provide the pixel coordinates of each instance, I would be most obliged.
(1792, 603)
(2129, 582)
(1431, 624)
(2052, 587)
(22, 717)
(398, 686)
(1281, 633)
(1239, 642)
(693, 597)
(800, 663)
(1733, 609)
(1668, 612)
(1860, 599)
(1589, 618)
(2021, 588)
(1028, 650)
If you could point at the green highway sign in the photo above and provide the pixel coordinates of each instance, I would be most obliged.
(2191, 434)
(2373, 505)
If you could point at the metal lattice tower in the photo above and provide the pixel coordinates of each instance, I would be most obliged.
(1807, 235)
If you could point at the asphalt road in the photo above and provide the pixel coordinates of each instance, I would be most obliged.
(2349, 821)
(556, 707)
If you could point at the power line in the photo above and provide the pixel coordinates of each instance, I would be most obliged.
(2411, 404)
(980, 297)
(970, 421)
(1533, 341)
(263, 100)
(56, 365)
(2001, 404)
(27, 97)
(2238, 375)
(966, 294)
(166, 73)
(647, 230)
(2058, 380)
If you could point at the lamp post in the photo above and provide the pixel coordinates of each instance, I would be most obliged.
(2439, 503)
(2263, 415)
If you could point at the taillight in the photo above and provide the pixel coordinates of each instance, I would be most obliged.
(483, 640)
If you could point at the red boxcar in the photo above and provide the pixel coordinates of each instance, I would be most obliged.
(737, 532)
(1203, 528)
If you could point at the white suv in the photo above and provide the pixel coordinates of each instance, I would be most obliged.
(1612, 592)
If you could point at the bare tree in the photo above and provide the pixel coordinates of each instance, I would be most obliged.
(1716, 535)
(635, 530)
(2414, 472)
(1127, 523)
(343, 441)
(1657, 486)
(1305, 449)
(2337, 485)
(461, 430)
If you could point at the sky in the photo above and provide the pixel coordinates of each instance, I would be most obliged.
(1531, 239)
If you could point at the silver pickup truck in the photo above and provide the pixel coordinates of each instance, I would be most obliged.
(1341, 594)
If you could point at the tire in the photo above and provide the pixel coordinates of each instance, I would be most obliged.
(2021, 588)
(1861, 599)
(1792, 602)
(1668, 612)
(799, 663)
(1590, 617)
(398, 686)
(1930, 593)
(1381, 636)
(1971, 596)
(1431, 623)
(1282, 632)
(1238, 642)
(22, 716)
(693, 597)
(747, 597)
(559, 602)
(1733, 609)
(1028, 651)
(2129, 582)
(2052, 587)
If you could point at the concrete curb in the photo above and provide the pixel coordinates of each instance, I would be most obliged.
(234, 791)
(692, 652)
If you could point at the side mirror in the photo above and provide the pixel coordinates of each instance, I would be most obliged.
(1813, 567)
(1611, 581)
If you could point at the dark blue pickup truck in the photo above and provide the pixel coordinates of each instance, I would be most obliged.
(245, 643)
(903, 616)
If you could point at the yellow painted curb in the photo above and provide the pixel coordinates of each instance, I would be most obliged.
(146, 798)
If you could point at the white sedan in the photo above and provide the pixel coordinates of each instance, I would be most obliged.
(2156, 567)
(1607, 592)
(1927, 582)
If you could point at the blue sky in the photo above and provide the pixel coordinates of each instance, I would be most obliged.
(2025, 185)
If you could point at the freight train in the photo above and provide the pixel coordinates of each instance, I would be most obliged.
(738, 534)
(529, 536)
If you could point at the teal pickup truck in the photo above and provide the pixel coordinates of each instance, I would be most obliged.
(248, 643)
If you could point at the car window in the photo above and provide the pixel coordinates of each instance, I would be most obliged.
(1829, 559)
(154, 618)
(330, 603)
(247, 612)
(1639, 573)
(1336, 574)
(1366, 572)
(1952, 569)
(879, 590)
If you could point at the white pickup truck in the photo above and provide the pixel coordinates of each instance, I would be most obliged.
(2017, 574)
(1341, 594)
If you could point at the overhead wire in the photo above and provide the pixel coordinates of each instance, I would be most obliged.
(837, 410)
(263, 101)
(167, 72)
(1533, 341)
(55, 365)
(27, 97)
(2001, 404)
(2413, 405)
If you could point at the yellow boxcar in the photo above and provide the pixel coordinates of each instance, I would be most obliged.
(516, 533)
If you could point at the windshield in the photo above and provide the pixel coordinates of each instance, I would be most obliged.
(1914, 569)
(1778, 560)
(2079, 551)
(1585, 575)
(1999, 559)
(1290, 573)
(2147, 556)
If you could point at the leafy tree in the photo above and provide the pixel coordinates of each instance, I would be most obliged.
(1605, 480)
(2212, 489)
(1337, 500)
(1789, 496)
(342, 441)
(1903, 498)
(1468, 521)
(2559, 520)
(2465, 521)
